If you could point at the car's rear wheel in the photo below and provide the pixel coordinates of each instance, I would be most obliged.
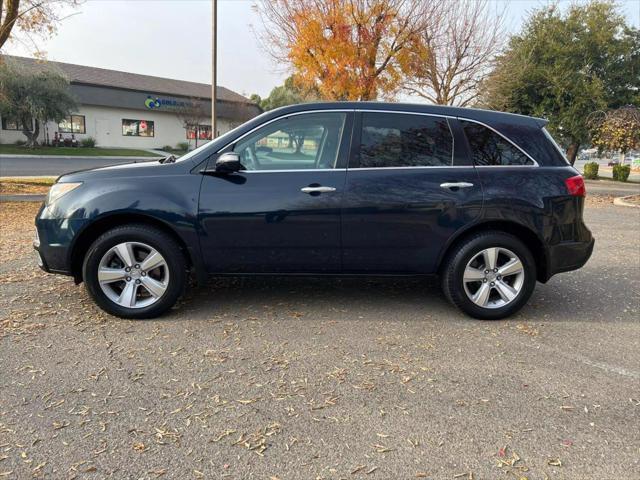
(135, 271)
(489, 275)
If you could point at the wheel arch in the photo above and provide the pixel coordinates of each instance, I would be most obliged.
(525, 234)
(101, 225)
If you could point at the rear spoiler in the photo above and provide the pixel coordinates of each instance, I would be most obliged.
(541, 122)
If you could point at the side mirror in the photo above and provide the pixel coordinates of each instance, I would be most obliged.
(228, 163)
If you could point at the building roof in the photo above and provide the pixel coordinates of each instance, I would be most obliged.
(81, 74)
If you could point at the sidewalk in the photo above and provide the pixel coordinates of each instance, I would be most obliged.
(611, 187)
(72, 157)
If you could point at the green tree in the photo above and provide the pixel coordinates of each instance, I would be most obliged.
(286, 94)
(33, 97)
(566, 66)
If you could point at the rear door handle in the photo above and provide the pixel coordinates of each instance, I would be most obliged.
(456, 185)
(317, 189)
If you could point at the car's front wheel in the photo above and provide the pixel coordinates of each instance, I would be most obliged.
(489, 275)
(135, 271)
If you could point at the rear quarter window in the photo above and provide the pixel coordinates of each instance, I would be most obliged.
(488, 148)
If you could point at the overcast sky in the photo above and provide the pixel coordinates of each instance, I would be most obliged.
(171, 38)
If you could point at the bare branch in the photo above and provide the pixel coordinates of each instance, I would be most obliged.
(454, 54)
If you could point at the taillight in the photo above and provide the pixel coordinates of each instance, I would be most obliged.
(575, 185)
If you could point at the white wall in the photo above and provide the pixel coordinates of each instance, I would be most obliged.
(105, 125)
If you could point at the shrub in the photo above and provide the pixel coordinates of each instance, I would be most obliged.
(183, 146)
(621, 172)
(167, 148)
(591, 170)
(88, 142)
(19, 143)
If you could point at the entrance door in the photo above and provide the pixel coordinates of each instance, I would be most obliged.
(103, 133)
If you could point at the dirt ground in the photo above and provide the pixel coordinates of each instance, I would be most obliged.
(323, 379)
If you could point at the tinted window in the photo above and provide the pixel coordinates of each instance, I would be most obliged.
(489, 148)
(299, 142)
(403, 140)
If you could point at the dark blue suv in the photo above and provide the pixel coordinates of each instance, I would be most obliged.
(484, 199)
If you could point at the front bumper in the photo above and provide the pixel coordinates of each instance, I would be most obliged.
(53, 240)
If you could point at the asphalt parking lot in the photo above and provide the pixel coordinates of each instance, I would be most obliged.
(305, 379)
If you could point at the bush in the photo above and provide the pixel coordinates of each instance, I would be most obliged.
(591, 170)
(183, 146)
(19, 143)
(88, 142)
(621, 172)
(167, 148)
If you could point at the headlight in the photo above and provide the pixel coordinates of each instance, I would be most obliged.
(60, 189)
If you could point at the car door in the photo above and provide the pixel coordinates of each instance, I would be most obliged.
(410, 186)
(282, 213)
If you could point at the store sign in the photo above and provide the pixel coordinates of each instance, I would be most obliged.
(153, 103)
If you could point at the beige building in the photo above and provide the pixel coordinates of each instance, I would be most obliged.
(121, 109)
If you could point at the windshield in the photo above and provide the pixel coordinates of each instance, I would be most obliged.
(202, 148)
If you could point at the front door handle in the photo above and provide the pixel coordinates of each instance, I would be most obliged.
(317, 189)
(451, 185)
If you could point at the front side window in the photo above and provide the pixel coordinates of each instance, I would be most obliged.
(72, 124)
(405, 140)
(137, 128)
(299, 142)
(489, 148)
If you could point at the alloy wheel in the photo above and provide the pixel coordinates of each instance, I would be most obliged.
(133, 275)
(493, 278)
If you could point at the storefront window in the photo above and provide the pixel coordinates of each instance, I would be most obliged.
(72, 124)
(12, 124)
(137, 128)
(204, 132)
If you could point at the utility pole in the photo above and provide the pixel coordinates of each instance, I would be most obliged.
(214, 34)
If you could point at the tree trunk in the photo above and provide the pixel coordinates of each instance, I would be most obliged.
(572, 152)
(32, 135)
(9, 20)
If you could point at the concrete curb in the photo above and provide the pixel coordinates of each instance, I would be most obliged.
(622, 202)
(22, 198)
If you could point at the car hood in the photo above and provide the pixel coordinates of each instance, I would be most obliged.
(138, 169)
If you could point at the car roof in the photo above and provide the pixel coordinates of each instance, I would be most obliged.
(480, 115)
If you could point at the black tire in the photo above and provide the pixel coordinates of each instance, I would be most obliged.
(453, 271)
(160, 241)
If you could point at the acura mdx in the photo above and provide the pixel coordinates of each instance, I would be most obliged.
(486, 200)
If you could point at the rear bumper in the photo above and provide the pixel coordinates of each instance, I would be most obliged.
(568, 256)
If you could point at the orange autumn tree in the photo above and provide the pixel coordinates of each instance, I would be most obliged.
(346, 49)
(30, 21)
(616, 130)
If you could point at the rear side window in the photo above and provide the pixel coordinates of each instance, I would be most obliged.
(404, 140)
(489, 148)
